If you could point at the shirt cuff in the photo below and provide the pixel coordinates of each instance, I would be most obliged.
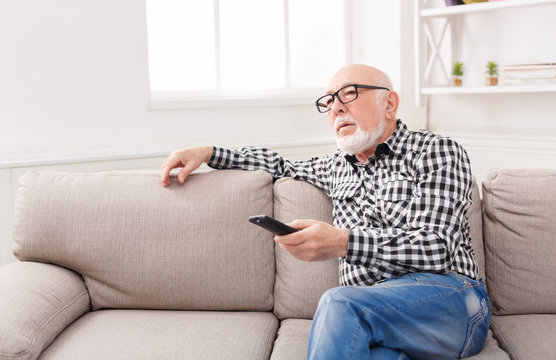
(362, 248)
(221, 158)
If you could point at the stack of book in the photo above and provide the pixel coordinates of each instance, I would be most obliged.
(528, 74)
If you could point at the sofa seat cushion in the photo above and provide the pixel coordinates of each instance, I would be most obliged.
(155, 334)
(526, 336)
(293, 340)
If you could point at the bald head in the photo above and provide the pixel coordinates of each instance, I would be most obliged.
(359, 74)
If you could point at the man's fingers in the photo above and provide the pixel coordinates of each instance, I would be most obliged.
(190, 159)
(167, 166)
(294, 238)
(301, 224)
(170, 163)
(165, 176)
(184, 173)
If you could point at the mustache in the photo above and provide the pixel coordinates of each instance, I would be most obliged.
(345, 119)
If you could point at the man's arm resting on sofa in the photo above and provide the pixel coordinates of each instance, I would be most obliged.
(37, 302)
(315, 171)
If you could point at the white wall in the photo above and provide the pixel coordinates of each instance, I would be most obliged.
(383, 37)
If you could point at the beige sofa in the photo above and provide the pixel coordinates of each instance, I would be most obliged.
(114, 266)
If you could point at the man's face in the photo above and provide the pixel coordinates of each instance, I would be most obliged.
(365, 110)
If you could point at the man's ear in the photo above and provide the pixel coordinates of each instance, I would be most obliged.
(392, 104)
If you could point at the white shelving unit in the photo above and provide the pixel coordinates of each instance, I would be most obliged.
(499, 89)
(480, 7)
(429, 40)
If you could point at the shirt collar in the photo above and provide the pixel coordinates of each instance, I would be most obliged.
(394, 143)
(397, 141)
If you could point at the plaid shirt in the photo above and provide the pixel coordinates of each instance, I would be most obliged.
(405, 209)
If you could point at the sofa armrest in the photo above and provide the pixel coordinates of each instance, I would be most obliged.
(37, 301)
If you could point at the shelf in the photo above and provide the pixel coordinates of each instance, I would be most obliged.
(434, 25)
(498, 89)
(481, 7)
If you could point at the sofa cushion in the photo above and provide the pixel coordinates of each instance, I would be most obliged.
(152, 334)
(526, 336)
(37, 301)
(519, 234)
(299, 284)
(491, 350)
(293, 341)
(140, 245)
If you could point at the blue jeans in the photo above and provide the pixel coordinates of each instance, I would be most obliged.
(416, 316)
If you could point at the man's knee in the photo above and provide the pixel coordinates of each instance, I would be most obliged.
(339, 297)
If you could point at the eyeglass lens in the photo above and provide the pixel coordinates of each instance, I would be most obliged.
(346, 95)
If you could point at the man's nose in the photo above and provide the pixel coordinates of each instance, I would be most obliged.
(338, 107)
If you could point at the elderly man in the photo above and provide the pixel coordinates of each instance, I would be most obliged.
(400, 198)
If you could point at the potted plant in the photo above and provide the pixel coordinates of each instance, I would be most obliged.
(492, 73)
(457, 71)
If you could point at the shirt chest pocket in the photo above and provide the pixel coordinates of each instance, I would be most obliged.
(346, 191)
(393, 200)
(347, 210)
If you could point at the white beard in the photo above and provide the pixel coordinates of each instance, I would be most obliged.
(361, 140)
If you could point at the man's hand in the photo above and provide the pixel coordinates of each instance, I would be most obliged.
(316, 241)
(190, 159)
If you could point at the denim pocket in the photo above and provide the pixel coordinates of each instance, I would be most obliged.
(477, 330)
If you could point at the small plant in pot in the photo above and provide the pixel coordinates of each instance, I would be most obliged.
(492, 73)
(457, 71)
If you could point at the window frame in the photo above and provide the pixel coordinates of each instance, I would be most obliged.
(219, 98)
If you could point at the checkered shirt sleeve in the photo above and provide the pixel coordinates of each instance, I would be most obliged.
(434, 214)
(315, 171)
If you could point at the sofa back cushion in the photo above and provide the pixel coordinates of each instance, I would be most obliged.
(140, 245)
(299, 285)
(520, 240)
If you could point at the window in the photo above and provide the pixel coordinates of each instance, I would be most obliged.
(224, 48)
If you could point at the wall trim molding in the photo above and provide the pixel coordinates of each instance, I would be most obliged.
(103, 154)
(506, 143)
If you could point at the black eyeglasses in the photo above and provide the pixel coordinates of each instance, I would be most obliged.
(346, 95)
